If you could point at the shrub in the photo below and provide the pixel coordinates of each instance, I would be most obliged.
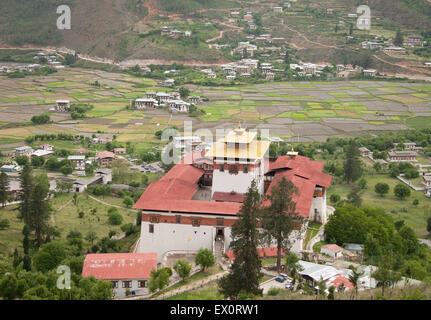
(334, 198)
(128, 229)
(381, 188)
(115, 218)
(401, 191)
(4, 224)
(273, 291)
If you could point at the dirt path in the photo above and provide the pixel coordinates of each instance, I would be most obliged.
(110, 205)
(410, 69)
(308, 40)
(191, 286)
(219, 36)
(58, 210)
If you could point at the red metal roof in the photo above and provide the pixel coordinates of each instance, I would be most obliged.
(332, 247)
(105, 154)
(228, 197)
(306, 168)
(304, 198)
(339, 279)
(113, 266)
(174, 192)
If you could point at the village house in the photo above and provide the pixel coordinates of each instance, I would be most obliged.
(145, 70)
(42, 153)
(411, 146)
(62, 106)
(100, 140)
(278, 40)
(145, 103)
(370, 72)
(332, 250)
(178, 106)
(278, 9)
(165, 31)
(196, 203)
(394, 50)
(426, 180)
(105, 158)
(371, 45)
(175, 34)
(169, 83)
(365, 152)
(181, 142)
(414, 41)
(195, 100)
(150, 95)
(120, 150)
(46, 147)
(402, 156)
(24, 151)
(248, 17)
(78, 162)
(162, 97)
(82, 152)
(128, 272)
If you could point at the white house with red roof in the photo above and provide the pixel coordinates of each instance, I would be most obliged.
(332, 250)
(125, 271)
(196, 203)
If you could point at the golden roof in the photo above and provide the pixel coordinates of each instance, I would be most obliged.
(240, 135)
(254, 150)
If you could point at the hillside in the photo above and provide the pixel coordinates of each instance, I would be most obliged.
(131, 29)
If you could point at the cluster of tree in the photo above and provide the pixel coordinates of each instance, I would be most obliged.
(78, 110)
(410, 172)
(38, 279)
(278, 221)
(44, 71)
(382, 237)
(64, 166)
(41, 119)
(47, 137)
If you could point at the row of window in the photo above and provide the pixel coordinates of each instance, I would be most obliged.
(233, 168)
(128, 284)
(196, 222)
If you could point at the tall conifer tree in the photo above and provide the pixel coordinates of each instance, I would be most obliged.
(280, 218)
(40, 209)
(4, 188)
(245, 272)
(26, 180)
(352, 165)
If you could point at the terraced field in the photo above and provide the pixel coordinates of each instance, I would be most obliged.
(309, 111)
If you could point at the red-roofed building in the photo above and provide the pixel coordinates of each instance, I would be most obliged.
(340, 280)
(120, 150)
(105, 158)
(195, 204)
(332, 250)
(125, 270)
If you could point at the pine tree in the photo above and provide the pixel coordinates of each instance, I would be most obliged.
(352, 165)
(26, 180)
(40, 209)
(399, 39)
(4, 187)
(245, 271)
(280, 217)
(286, 57)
